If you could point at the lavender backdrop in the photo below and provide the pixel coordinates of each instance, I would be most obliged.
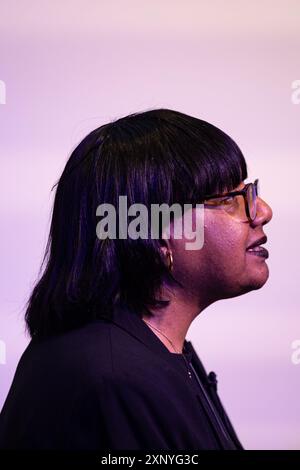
(67, 67)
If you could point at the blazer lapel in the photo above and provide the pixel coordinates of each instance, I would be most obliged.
(130, 322)
(135, 326)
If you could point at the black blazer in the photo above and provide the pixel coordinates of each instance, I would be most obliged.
(111, 384)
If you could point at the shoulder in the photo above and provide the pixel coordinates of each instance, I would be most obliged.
(97, 350)
(74, 357)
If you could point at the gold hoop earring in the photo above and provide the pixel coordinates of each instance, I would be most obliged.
(170, 264)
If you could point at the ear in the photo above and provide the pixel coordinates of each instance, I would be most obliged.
(164, 246)
(166, 253)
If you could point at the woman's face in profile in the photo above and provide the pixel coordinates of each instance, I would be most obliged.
(224, 267)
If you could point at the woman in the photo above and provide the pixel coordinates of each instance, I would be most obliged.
(108, 365)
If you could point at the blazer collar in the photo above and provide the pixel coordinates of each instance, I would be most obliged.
(135, 326)
(124, 318)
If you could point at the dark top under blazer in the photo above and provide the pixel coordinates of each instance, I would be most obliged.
(111, 384)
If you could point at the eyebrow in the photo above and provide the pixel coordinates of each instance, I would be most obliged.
(233, 190)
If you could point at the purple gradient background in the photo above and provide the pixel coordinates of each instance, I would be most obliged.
(69, 66)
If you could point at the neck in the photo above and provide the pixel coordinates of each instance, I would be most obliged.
(173, 322)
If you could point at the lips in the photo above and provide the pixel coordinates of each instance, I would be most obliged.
(256, 249)
(259, 241)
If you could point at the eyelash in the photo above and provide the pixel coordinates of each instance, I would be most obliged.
(226, 199)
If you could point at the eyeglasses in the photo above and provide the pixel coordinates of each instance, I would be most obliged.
(231, 203)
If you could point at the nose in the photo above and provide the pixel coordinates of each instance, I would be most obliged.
(264, 212)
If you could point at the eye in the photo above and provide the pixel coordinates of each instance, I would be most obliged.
(226, 200)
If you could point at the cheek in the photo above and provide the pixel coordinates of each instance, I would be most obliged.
(225, 240)
(222, 255)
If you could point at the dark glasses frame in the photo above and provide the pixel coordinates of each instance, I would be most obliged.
(242, 192)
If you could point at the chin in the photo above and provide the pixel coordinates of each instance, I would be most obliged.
(254, 281)
(259, 278)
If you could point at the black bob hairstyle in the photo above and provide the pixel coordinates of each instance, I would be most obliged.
(157, 156)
